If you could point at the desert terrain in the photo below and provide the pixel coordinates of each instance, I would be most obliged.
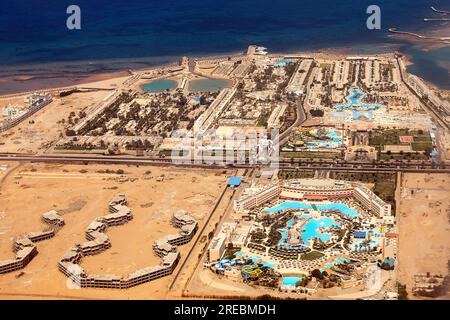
(82, 193)
(424, 214)
(37, 133)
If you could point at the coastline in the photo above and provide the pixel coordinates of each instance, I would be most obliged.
(34, 80)
(23, 83)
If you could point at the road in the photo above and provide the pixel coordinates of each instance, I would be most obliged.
(431, 110)
(300, 118)
(284, 164)
(200, 233)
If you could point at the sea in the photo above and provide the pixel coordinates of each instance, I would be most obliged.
(37, 49)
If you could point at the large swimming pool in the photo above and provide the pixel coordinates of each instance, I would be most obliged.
(208, 84)
(291, 281)
(159, 85)
(327, 138)
(354, 104)
(350, 212)
(310, 229)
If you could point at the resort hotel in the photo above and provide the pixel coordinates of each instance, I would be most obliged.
(313, 190)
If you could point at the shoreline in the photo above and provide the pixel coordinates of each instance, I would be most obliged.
(59, 80)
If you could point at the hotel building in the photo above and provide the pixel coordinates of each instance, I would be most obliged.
(25, 248)
(164, 248)
(36, 103)
(312, 189)
(52, 217)
(216, 248)
(25, 251)
(256, 196)
(371, 201)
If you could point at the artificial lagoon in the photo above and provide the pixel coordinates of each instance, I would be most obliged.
(200, 85)
(304, 227)
(346, 210)
(159, 85)
(308, 228)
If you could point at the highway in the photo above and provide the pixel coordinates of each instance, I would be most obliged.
(431, 110)
(285, 164)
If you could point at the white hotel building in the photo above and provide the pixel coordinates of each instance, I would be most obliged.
(312, 189)
(371, 201)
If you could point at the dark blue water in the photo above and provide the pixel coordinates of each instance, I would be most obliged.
(144, 32)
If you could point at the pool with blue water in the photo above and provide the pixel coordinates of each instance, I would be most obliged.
(346, 210)
(291, 281)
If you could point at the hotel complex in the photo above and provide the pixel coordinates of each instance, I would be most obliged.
(36, 103)
(312, 189)
(98, 241)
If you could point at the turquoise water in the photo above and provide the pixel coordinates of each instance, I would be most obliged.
(281, 63)
(208, 84)
(373, 243)
(329, 265)
(239, 253)
(291, 281)
(327, 140)
(332, 133)
(341, 260)
(350, 212)
(312, 226)
(310, 229)
(159, 85)
(354, 104)
(255, 259)
(268, 264)
(285, 60)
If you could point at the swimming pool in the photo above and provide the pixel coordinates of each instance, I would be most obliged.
(208, 84)
(350, 212)
(159, 85)
(312, 226)
(269, 264)
(363, 245)
(354, 104)
(255, 259)
(323, 138)
(310, 229)
(285, 60)
(291, 281)
(341, 260)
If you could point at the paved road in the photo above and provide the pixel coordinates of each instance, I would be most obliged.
(435, 114)
(300, 118)
(200, 233)
(283, 164)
